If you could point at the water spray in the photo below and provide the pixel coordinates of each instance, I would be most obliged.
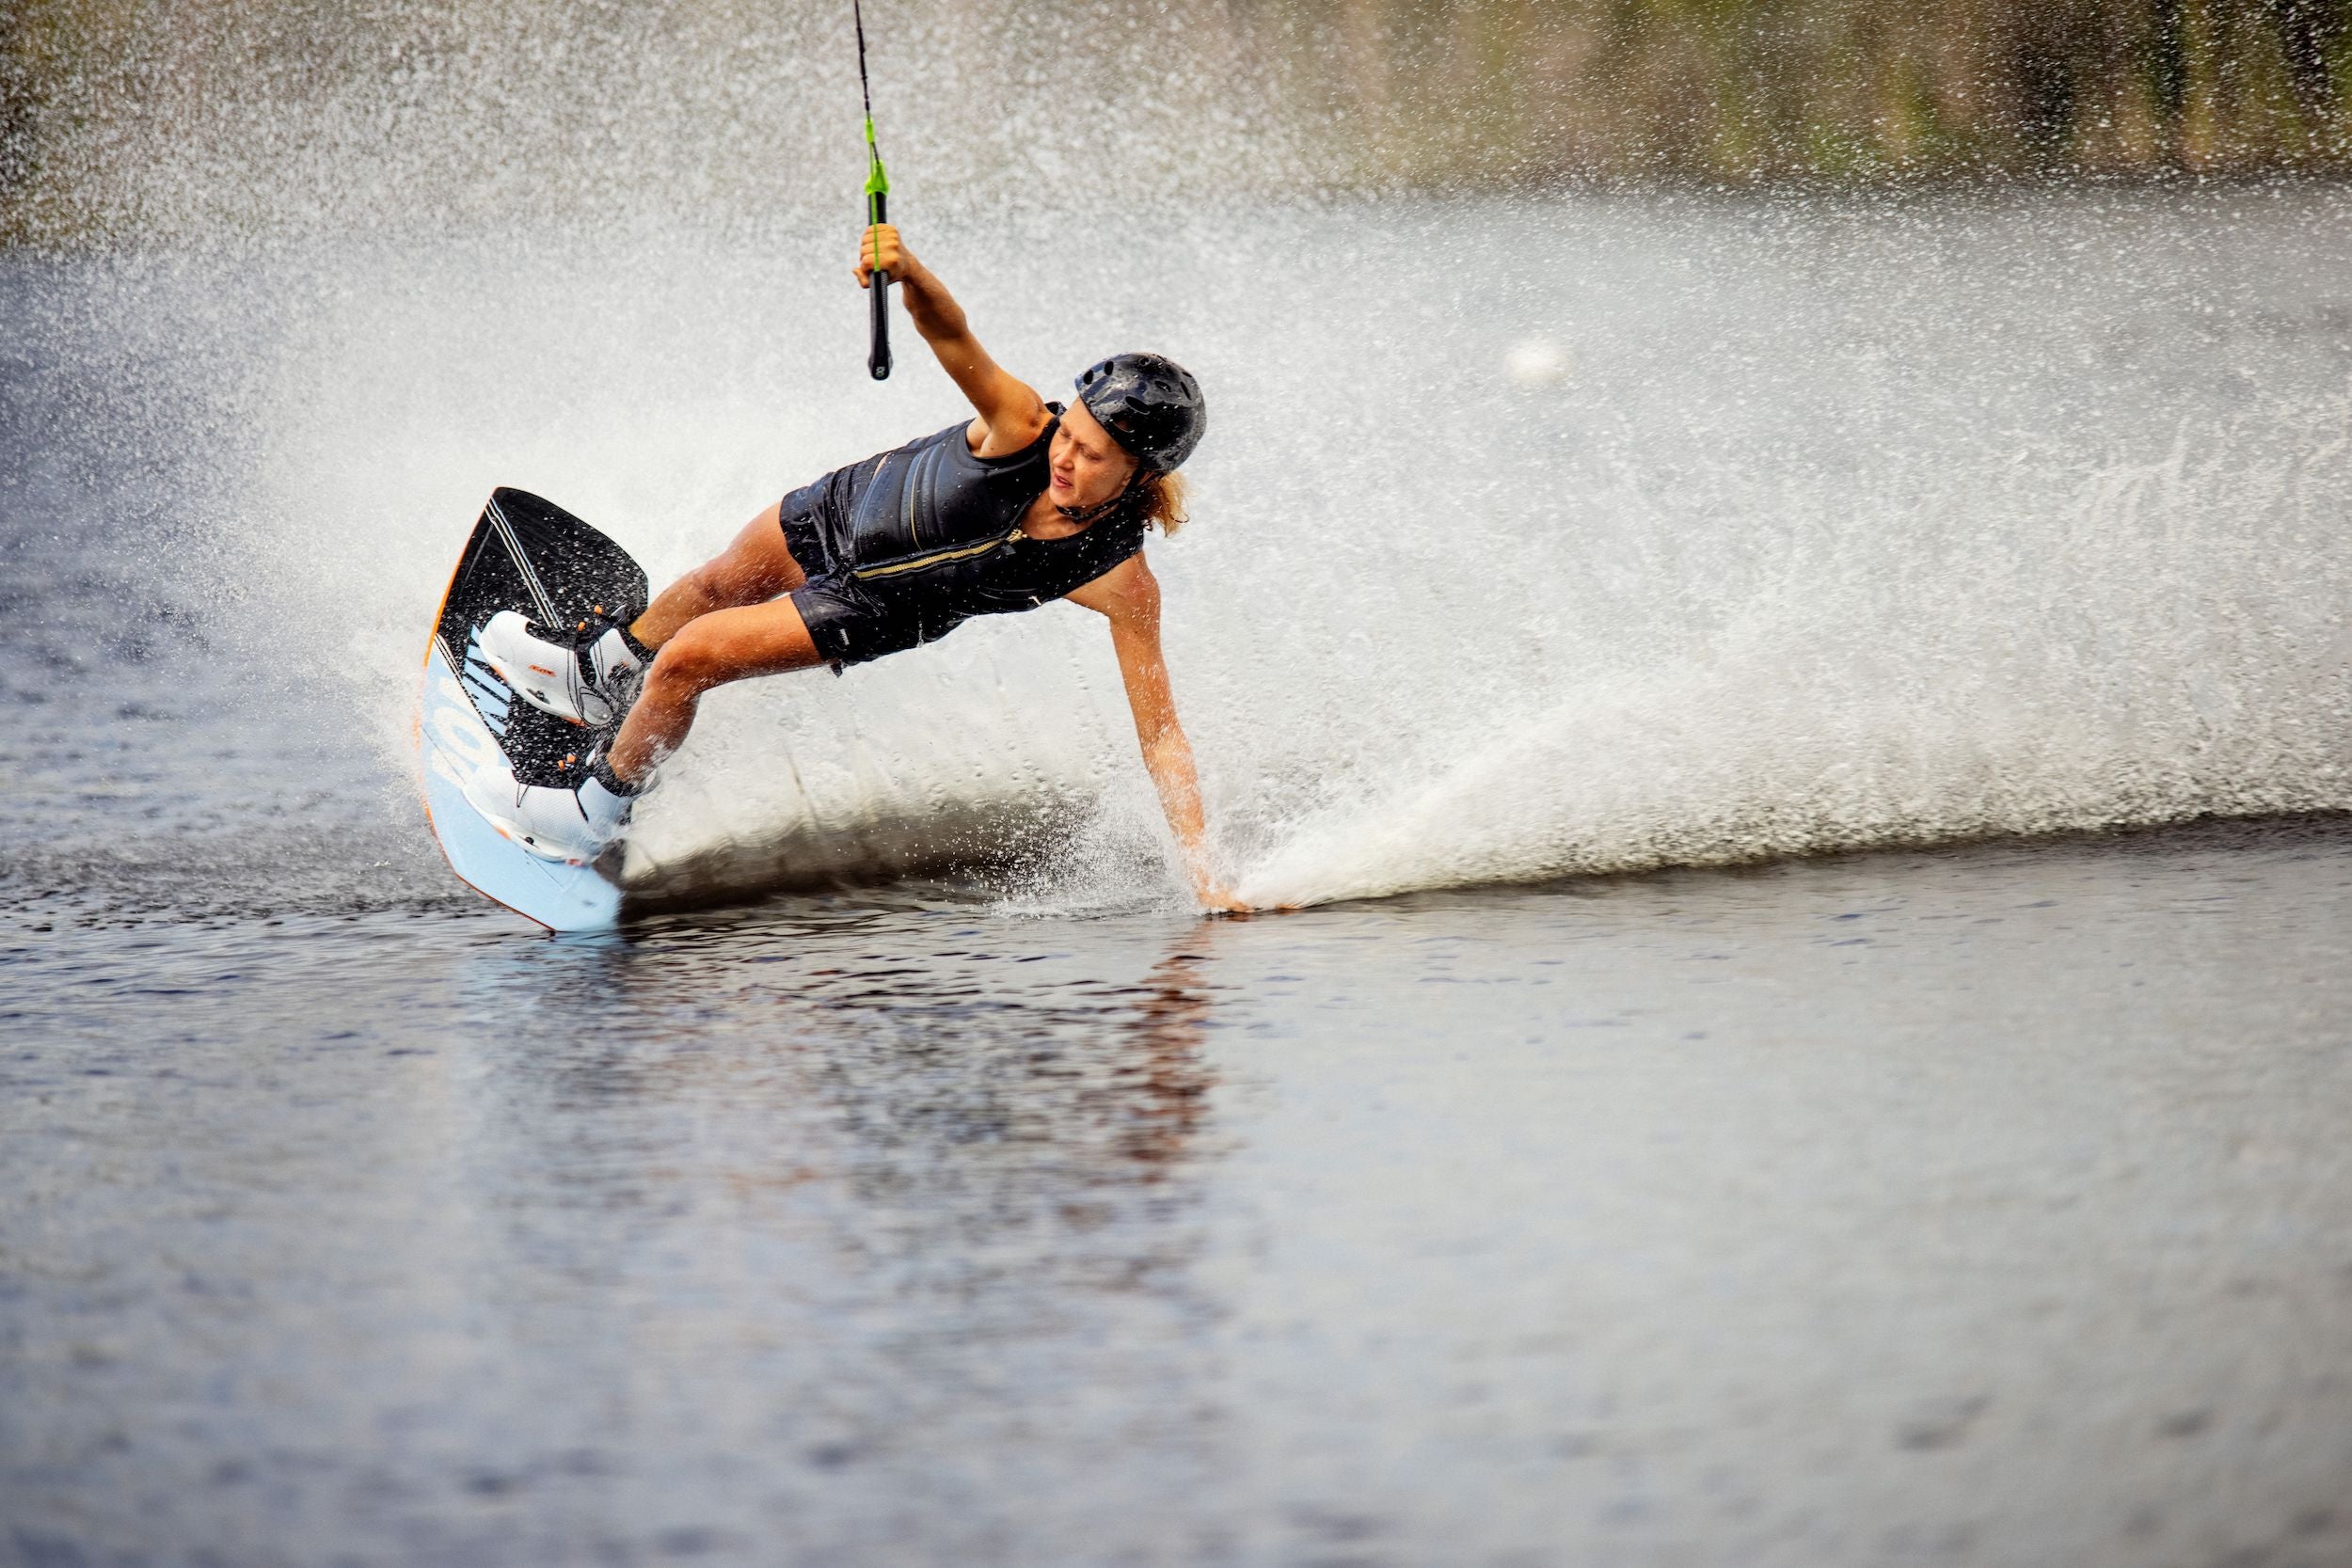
(877, 210)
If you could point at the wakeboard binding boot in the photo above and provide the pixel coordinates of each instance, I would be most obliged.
(587, 674)
(573, 827)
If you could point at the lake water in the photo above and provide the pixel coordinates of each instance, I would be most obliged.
(1690, 1121)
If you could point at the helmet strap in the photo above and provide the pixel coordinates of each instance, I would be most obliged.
(1101, 509)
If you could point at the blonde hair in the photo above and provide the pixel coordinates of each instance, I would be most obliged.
(1160, 498)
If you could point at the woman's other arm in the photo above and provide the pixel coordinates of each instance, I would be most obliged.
(1012, 414)
(1129, 596)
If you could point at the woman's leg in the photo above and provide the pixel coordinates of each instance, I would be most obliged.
(756, 567)
(711, 650)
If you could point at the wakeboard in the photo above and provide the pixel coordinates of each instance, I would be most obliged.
(528, 555)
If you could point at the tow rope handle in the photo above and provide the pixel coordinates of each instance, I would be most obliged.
(877, 211)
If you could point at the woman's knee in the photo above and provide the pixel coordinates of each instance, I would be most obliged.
(691, 662)
(731, 646)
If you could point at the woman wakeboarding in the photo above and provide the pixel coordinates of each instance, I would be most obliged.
(1025, 504)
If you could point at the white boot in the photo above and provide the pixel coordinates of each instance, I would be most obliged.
(572, 826)
(587, 681)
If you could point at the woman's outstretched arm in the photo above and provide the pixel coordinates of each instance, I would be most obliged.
(1012, 414)
(1129, 596)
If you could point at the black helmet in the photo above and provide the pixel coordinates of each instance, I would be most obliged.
(1150, 404)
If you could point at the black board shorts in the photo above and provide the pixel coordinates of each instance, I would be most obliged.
(847, 621)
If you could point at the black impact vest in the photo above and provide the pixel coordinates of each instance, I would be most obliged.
(931, 531)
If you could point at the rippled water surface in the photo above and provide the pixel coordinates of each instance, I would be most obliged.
(1978, 1206)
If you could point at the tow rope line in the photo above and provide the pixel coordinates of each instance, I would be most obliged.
(877, 210)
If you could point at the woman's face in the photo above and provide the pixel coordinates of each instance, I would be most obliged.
(1085, 466)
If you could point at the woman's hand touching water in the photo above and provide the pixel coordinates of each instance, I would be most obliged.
(1213, 894)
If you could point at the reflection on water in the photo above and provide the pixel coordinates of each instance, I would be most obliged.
(952, 1073)
(787, 1205)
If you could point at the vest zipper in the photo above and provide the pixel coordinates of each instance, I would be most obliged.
(936, 558)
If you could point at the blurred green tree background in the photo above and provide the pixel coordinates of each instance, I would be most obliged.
(126, 116)
(1731, 91)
